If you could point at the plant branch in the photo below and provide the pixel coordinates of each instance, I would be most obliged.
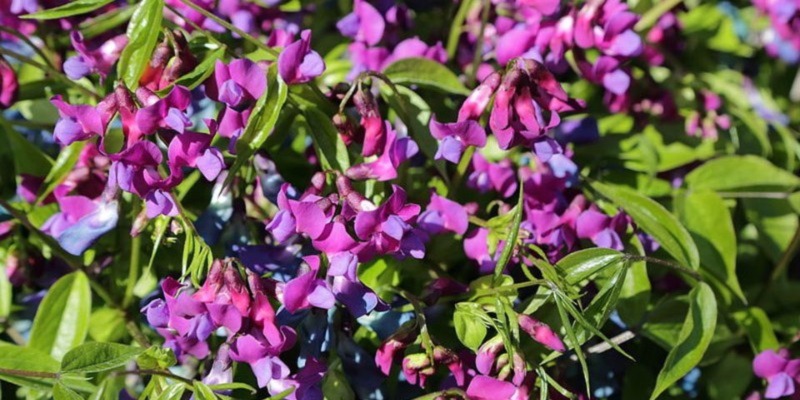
(230, 27)
(666, 263)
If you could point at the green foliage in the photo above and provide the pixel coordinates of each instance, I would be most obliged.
(70, 9)
(143, 30)
(424, 73)
(63, 318)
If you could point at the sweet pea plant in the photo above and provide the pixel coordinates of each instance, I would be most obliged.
(376, 199)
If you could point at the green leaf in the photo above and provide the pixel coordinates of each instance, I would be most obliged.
(709, 222)
(470, 330)
(143, 30)
(6, 294)
(693, 340)
(582, 264)
(96, 357)
(61, 392)
(758, 328)
(511, 238)
(331, 148)
(776, 222)
(654, 219)
(573, 341)
(64, 163)
(203, 392)
(107, 325)
(635, 294)
(425, 73)
(27, 359)
(335, 385)
(8, 174)
(28, 159)
(76, 7)
(603, 304)
(62, 320)
(741, 174)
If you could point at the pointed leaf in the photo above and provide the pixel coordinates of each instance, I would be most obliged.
(96, 357)
(143, 30)
(741, 173)
(76, 7)
(62, 320)
(426, 73)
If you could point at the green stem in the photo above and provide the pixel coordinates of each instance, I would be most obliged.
(29, 374)
(669, 264)
(135, 262)
(476, 60)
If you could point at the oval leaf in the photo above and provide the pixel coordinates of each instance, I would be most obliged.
(96, 357)
(469, 329)
(582, 264)
(693, 340)
(706, 217)
(654, 219)
(741, 173)
(425, 73)
(63, 317)
(143, 30)
(27, 359)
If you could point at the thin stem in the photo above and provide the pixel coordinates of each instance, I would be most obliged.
(29, 374)
(166, 374)
(230, 27)
(463, 164)
(57, 74)
(754, 195)
(476, 60)
(135, 262)
(688, 271)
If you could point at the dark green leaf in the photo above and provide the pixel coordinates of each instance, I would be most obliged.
(62, 320)
(28, 159)
(603, 304)
(8, 174)
(741, 174)
(425, 73)
(635, 294)
(96, 357)
(331, 148)
(76, 7)
(654, 219)
(582, 264)
(143, 30)
(203, 70)
(706, 217)
(693, 340)
(776, 222)
(758, 328)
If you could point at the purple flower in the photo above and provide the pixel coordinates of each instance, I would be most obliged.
(488, 388)
(364, 24)
(81, 122)
(9, 86)
(297, 63)
(608, 25)
(780, 372)
(455, 137)
(384, 168)
(604, 231)
(163, 113)
(99, 60)
(238, 85)
(486, 176)
(81, 222)
(307, 290)
(387, 229)
(444, 214)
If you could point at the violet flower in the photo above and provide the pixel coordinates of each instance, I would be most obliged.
(384, 168)
(81, 222)
(388, 229)
(298, 63)
(238, 85)
(444, 214)
(604, 231)
(364, 24)
(455, 137)
(782, 374)
(93, 61)
(486, 176)
(81, 122)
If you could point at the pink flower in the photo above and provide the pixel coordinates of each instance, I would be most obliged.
(780, 372)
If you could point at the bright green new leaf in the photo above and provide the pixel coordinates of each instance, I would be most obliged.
(706, 217)
(70, 9)
(143, 30)
(27, 359)
(741, 174)
(96, 357)
(470, 330)
(758, 328)
(582, 264)
(693, 340)
(654, 219)
(61, 392)
(63, 317)
(425, 73)
(203, 392)
(511, 237)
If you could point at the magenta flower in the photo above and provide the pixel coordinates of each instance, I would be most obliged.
(388, 230)
(99, 60)
(781, 373)
(527, 104)
(608, 26)
(81, 122)
(364, 24)
(384, 168)
(81, 222)
(297, 63)
(306, 290)
(444, 214)
(486, 176)
(604, 231)
(487, 388)
(238, 85)
(540, 332)
(9, 87)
